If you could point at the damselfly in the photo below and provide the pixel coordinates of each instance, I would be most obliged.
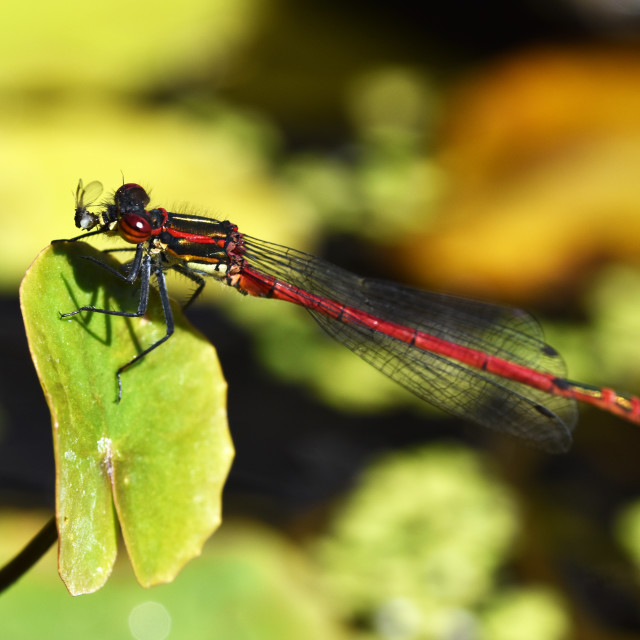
(483, 362)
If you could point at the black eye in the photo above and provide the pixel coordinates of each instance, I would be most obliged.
(131, 198)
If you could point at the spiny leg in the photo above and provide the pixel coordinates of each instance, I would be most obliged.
(199, 280)
(168, 319)
(140, 269)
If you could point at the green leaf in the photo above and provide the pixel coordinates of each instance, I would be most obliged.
(161, 455)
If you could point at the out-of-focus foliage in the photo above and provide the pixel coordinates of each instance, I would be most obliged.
(541, 152)
(394, 112)
(84, 47)
(386, 184)
(526, 614)
(415, 550)
(628, 532)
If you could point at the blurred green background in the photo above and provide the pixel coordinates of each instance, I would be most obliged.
(486, 149)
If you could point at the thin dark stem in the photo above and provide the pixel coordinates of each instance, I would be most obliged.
(17, 567)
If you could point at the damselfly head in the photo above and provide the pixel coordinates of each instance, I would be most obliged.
(131, 198)
(85, 196)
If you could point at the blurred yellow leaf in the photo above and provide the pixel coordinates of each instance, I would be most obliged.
(118, 45)
(542, 155)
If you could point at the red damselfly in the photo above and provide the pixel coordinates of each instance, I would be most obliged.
(483, 362)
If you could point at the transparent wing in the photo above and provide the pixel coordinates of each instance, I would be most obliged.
(510, 334)
(85, 196)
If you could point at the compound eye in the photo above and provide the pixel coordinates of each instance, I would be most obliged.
(134, 228)
(131, 197)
